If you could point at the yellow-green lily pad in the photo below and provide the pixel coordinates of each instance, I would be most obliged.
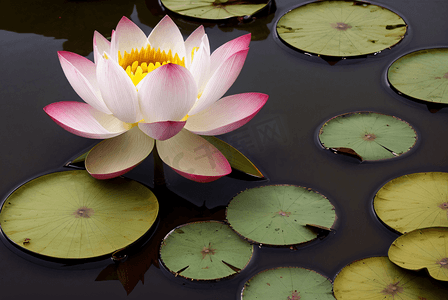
(341, 28)
(422, 75)
(288, 283)
(377, 278)
(215, 9)
(414, 201)
(70, 215)
(204, 251)
(423, 248)
(280, 214)
(368, 135)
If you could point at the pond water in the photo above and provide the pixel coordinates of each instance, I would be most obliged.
(281, 140)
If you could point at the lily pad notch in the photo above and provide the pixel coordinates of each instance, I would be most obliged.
(207, 250)
(216, 9)
(368, 136)
(341, 28)
(288, 283)
(421, 75)
(70, 215)
(280, 215)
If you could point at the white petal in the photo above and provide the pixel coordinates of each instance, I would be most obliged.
(81, 74)
(128, 36)
(101, 44)
(228, 49)
(200, 68)
(118, 91)
(220, 81)
(167, 36)
(167, 94)
(194, 40)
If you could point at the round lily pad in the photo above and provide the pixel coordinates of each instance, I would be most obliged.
(71, 215)
(341, 28)
(376, 278)
(422, 75)
(422, 248)
(215, 9)
(368, 135)
(289, 283)
(413, 201)
(204, 251)
(280, 214)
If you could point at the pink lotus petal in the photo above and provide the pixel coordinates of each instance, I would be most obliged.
(162, 130)
(83, 120)
(227, 114)
(200, 68)
(118, 91)
(220, 81)
(81, 74)
(167, 94)
(117, 156)
(167, 36)
(228, 49)
(193, 157)
(101, 43)
(128, 36)
(194, 40)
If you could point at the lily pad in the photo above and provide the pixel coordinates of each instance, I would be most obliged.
(236, 159)
(280, 214)
(422, 75)
(215, 9)
(71, 215)
(289, 283)
(414, 201)
(377, 278)
(422, 248)
(368, 135)
(341, 28)
(204, 251)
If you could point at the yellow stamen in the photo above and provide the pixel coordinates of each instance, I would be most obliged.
(132, 125)
(185, 118)
(193, 51)
(139, 63)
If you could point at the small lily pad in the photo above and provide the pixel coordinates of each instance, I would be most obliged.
(70, 215)
(215, 9)
(341, 28)
(289, 283)
(204, 251)
(413, 201)
(369, 135)
(422, 75)
(280, 214)
(377, 278)
(422, 248)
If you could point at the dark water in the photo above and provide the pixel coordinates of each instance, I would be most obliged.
(281, 140)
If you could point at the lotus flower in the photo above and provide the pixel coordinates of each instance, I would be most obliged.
(156, 90)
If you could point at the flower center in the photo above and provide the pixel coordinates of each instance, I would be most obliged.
(139, 63)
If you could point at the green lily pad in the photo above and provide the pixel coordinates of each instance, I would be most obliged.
(71, 215)
(368, 135)
(422, 248)
(236, 159)
(422, 75)
(215, 9)
(289, 283)
(280, 214)
(341, 28)
(414, 201)
(376, 278)
(204, 251)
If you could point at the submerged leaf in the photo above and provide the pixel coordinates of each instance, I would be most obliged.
(372, 136)
(215, 9)
(341, 28)
(413, 201)
(72, 215)
(376, 278)
(422, 248)
(422, 75)
(290, 283)
(204, 251)
(280, 214)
